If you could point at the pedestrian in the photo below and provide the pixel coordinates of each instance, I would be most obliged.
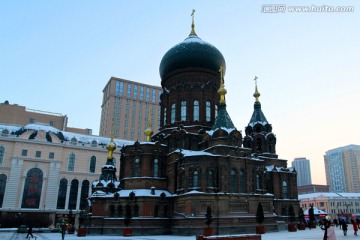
(325, 226)
(63, 231)
(355, 226)
(344, 227)
(29, 232)
(336, 223)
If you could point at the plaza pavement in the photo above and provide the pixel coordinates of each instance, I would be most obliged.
(299, 235)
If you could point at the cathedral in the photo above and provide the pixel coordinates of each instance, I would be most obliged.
(197, 160)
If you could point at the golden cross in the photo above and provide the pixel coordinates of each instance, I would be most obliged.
(192, 14)
(255, 79)
(221, 70)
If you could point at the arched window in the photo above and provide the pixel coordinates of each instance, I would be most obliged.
(156, 168)
(164, 115)
(2, 154)
(136, 167)
(32, 189)
(242, 182)
(2, 188)
(216, 111)
(173, 112)
(208, 111)
(196, 110)
(84, 194)
(195, 179)
(285, 190)
(71, 162)
(136, 210)
(183, 111)
(258, 181)
(114, 161)
(62, 194)
(92, 164)
(112, 211)
(73, 194)
(5, 132)
(233, 181)
(156, 211)
(259, 144)
(120, 211)
(210, 178)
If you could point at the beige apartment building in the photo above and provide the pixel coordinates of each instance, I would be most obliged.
(342, 168)
(20, 115)
(128, 108)
(49, 171)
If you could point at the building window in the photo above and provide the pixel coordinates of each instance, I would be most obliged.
(183, 111)
(52, 123)
(196, 110)
(51, 155)
(5, 132)
(233, 181)
(32, 189)
(242, 182)
(210, 178)
(156, 168)
(24, 152)
(38, 154)
(135, 91)
(136, 167)
(84, 194)
(141, 93)
(164, 115)
(3, 179)
(285, 190)
(92, 164)
(2, 154)
(119, 88)
(173, 112)
(147, 94)
(32, 120)
(73, 194)
(208, 111)
(216, 111)
(71, 162)
(257, 181)
(154, 95)
(129, 90)
(62, 194)
(195, 179)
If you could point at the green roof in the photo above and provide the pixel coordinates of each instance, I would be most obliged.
(223, 119)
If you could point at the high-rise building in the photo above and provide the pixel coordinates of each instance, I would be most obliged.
(342, 167)
(302, 166)
(126, 108)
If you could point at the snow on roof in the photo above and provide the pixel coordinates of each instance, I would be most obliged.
(105, 183)
(67, 135)
(316, 211)
(138, 193)
(189, 153)
(229, 130)
(329, 195)
(251, 124)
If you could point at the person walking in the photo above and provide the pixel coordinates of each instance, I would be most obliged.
(29, 232)
(355, 226)
(63, 231)
(344, 227)
(325, 226)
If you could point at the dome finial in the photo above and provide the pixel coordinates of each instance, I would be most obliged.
(222, 91)
(256, 94)
(148, 132)
(111, 147)
(192, 33)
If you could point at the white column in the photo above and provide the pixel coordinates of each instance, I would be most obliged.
(67, 195)
(78, 196)
(12, 193)
(53, 186)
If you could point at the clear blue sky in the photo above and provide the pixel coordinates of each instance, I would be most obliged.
(58, 55)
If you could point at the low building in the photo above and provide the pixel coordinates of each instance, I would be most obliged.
(48, 171)
(335, 204)
(313, 188)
